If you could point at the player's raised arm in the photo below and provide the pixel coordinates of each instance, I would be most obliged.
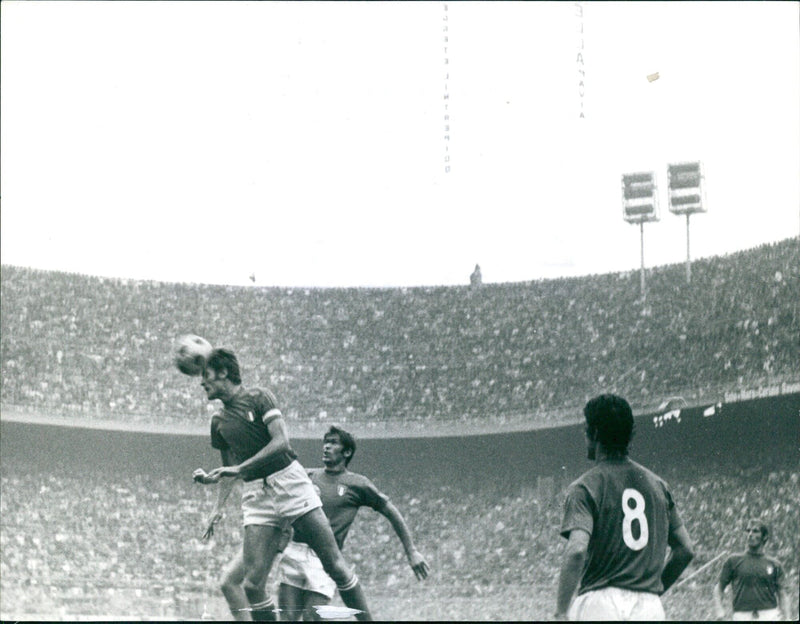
(415, 558)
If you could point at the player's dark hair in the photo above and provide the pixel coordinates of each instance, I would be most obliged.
(761, 527)
(347, 440)
(609, 420)
(224, 359)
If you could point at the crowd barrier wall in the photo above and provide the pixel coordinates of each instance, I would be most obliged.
(758, 431)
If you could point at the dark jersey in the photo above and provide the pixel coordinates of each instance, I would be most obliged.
(628, 512)
(756, 581)
(242, 427)
(342, 494)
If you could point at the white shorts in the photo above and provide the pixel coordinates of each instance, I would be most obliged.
(281, 497)
(300, 567)
(616, 604)
(770, 615)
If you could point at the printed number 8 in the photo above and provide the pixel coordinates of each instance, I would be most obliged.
(634, 513)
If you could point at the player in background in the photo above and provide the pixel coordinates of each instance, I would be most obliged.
(251, 436)
(304, 583)
(757, 579)
(619, 518)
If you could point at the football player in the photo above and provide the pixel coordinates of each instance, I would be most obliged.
(757, 580)
(251, 436)
(619, 520)
(303, 582)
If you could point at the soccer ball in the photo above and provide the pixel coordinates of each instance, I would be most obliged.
(192, 353)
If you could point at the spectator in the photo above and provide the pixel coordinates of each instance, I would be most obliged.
(475, 278)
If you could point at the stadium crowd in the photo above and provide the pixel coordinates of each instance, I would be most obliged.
(72, 544)
(535, 351)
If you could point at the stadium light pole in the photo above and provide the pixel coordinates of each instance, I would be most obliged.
(685, 187)
(640, 205)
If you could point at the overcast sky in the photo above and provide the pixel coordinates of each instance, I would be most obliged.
(305, 142)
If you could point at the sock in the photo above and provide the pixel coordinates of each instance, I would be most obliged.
(353, 597)
(349, 585)
(264, 611)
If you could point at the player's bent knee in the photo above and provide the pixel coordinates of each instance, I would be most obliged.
(228, 584)
(252, 586)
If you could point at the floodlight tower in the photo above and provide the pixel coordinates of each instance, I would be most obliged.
(685, 185)
(640, 205)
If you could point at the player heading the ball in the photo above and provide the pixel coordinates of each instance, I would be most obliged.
(253, 441)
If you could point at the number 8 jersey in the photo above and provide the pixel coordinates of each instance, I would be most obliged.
(628, 512)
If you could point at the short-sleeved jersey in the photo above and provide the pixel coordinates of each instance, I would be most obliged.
(342, 495)
(756, 581)
(242, 427)
(628, 512)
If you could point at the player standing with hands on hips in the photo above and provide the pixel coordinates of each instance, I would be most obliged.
(757, 580)
(251, 436)
(619, 519)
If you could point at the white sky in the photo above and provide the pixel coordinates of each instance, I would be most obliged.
(304, 142)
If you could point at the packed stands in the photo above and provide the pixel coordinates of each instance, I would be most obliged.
(531, 352)
(120, 538)
(106, 543)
